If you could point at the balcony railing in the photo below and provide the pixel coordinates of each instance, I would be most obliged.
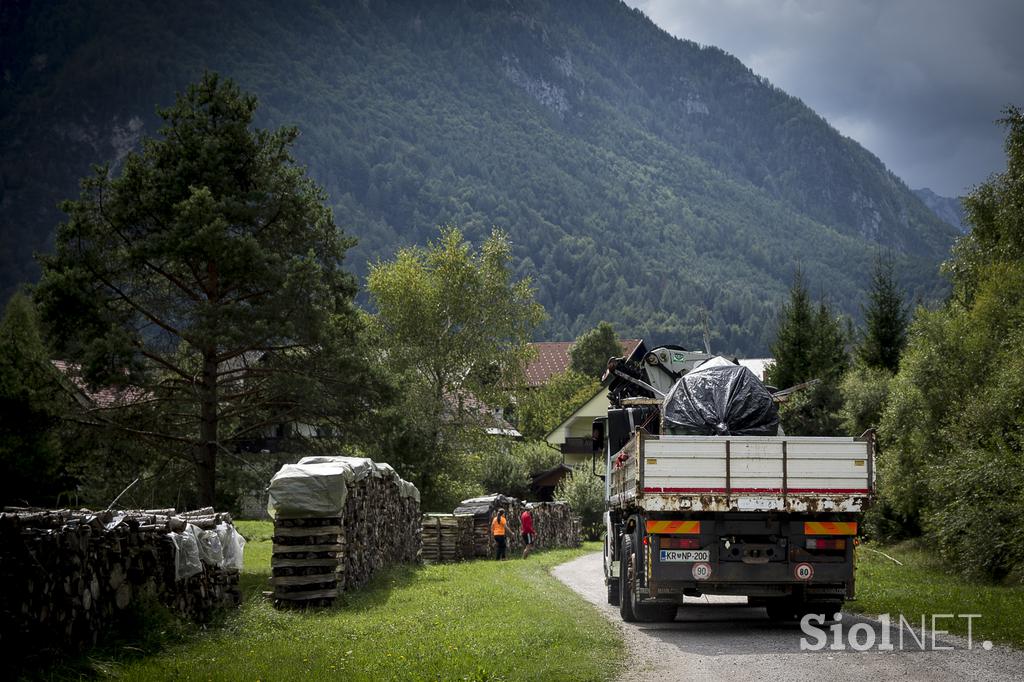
(577, 446)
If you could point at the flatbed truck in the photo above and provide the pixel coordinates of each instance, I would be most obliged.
(772, 518)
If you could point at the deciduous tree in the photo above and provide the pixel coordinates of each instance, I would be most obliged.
(540, 409)
(953, 430)
(455, 328)
(589, 355)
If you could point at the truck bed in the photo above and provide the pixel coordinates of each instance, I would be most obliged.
(743, 473)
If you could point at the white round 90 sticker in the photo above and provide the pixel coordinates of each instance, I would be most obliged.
(803, 571)
(701, 571)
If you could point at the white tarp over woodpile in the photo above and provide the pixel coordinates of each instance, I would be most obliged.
(318, 486)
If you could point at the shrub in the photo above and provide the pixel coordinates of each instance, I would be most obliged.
(585, 494)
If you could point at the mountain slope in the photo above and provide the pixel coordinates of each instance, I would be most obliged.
(949, 209)
(642, 178)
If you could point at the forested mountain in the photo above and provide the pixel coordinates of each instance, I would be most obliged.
(642, 178)
(950, 209)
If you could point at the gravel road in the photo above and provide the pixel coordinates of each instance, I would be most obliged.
(717, 637)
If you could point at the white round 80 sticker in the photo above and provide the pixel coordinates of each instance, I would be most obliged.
(701, 571)
(803, 571)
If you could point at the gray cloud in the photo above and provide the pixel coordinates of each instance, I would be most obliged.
(917, 82)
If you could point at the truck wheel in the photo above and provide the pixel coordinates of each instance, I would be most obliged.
(612, 581)
(629, 609)
(613, 591)
(626, 593)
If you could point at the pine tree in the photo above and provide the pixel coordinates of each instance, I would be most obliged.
(209, 276)
(810, 344)
(885, 321)
(795, 343)
(30, 462)
(829, 359)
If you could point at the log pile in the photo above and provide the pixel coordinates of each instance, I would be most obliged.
(68, 575)
(447, 537)
(361, 517)
(483, 510)
(554, 524)
(307, 560)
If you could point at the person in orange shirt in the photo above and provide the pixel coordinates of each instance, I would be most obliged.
(498, 526)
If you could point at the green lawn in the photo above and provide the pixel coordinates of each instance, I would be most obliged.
(483, 620)
(920, 586)
(480, 620)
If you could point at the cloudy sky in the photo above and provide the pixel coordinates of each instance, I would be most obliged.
(917, 82)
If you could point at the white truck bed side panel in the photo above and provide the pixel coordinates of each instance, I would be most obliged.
(746, 472)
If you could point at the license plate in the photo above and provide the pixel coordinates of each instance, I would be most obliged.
(686, 555)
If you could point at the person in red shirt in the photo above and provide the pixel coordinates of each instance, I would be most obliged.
(526, 524)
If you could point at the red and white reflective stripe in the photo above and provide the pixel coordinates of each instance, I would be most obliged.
(679, 527)
(830, 528)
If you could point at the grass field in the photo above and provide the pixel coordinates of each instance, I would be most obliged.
(920, 586)
(480, 620)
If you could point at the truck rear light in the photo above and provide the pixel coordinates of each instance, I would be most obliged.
(679, 543)
(823, 543)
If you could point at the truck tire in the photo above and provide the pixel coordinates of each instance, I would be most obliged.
(629, 609)
(828, 608)
(626, 594)
(612, 581)
(613, 591)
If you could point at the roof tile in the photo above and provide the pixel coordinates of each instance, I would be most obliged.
(553, 358)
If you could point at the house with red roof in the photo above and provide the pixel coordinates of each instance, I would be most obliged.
(553, 358)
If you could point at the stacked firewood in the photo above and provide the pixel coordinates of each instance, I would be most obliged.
(555, 524)
(381, 528)
(447, 537)
(316, 557)
(307, 560)
(483, 510)
(68, 575)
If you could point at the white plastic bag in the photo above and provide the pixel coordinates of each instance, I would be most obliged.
(210, 549)
(186, 553)
(233, 544)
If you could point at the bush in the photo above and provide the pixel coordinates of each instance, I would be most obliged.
(813, 411)
(508, 466)
(502, 472)
(585, 494)
(864, 391)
